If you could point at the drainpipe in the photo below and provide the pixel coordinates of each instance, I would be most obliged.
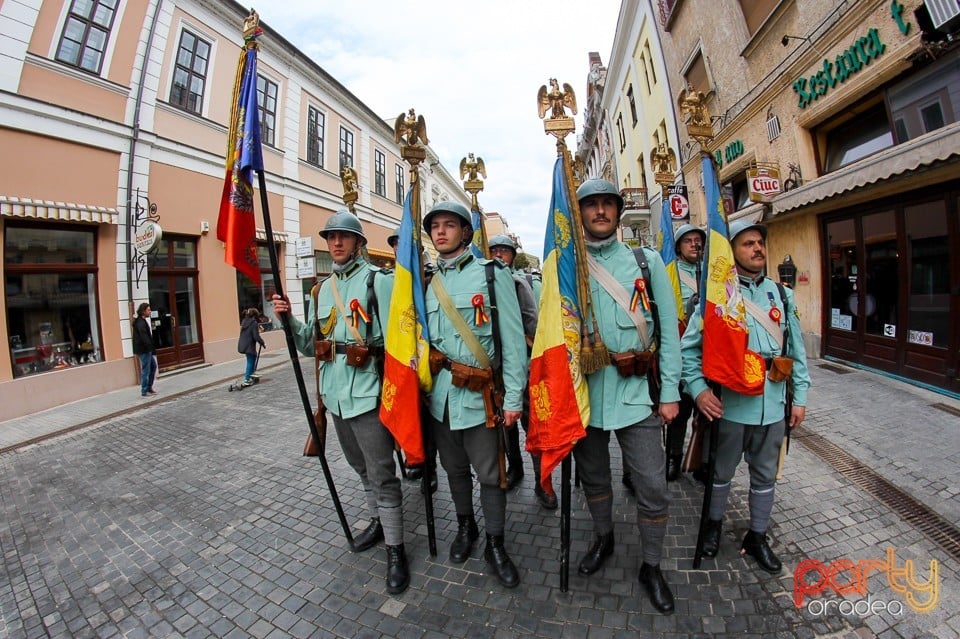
(131, 154)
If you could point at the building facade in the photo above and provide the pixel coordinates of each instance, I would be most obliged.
(118, 110)
(838, 125)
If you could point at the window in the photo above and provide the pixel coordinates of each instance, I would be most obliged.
(51, 298)
(621, 133)
(881, 274)
(696, 74)
(316, 125)
(646, 74)
(398, 175)
(925, 101)
(755, 12)
(859, 132)
(86, 32)
(267, 101)
(633, 105)
(190, 73)
(249, 295)
(928, 259)
(844, 300)
(380, 172)
(653, 73)
(346, 148)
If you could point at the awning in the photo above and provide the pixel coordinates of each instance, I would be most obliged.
(937, 146)
(753, 212)
(278, 236)
(62, 211)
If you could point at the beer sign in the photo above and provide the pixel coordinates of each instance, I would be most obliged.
(763, 184)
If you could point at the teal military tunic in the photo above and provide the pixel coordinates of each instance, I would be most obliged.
(690, 269)
(464, 279)
(615, 401)
(768, 407)
(347, 391)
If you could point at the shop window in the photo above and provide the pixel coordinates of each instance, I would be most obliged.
(881, 282)
(844, 301)
(51, 298)
(735, 193)
(856, 135)
(316, 126)
(267, 101)
(398, 176)
(380, 172)
(928, 259)
(249, 295)
(86, 33)
(922, 103)
(346, 148)
(190, 73)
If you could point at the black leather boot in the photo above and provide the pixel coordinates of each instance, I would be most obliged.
(496, 555)
(674, 463)
(514, 476)
(548, 500)
(467, 533)
(597, 555)
(657, 589)
(398, 575)
(369, 537)
(711, 538)
(414, 473)
(755, 544)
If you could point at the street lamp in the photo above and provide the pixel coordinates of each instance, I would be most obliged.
(787, 271)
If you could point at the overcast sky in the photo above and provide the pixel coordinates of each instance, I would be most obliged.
(472, 70)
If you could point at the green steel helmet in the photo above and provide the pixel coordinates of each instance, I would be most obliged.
(739, 226)
(454, 208)
(502, 240)
(597, 186)
(394, 237)
(344, 220)
(683, 230)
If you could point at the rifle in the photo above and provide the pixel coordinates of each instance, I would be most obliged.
(785, 444)
(708, 487)
(693, 458)
(493, 392)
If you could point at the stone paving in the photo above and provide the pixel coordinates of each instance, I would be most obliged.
(196, 516)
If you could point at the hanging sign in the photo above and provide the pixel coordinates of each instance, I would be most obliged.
(763, 184)
(677, 201)
(147, 236)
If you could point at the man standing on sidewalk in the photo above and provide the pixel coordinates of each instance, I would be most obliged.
(144, 348)
(631, 295)
(752, 427)
(345, 334)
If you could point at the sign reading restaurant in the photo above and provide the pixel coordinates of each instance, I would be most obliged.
(845, 65)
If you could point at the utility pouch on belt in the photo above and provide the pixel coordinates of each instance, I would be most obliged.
(357, 355)
(437, 360)
(642, 362)
(780, 369)
(323, 349)
(624, 363)
(469, 377)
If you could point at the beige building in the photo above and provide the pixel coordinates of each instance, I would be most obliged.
(854, 108)
(118, 110)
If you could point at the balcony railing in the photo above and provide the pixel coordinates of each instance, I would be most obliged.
(635, 198)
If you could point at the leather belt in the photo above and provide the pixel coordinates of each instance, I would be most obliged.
(341, 349)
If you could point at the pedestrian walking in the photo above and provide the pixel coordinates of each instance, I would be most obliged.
(752, 427)
(476, 339)
(248, 342)
(144, 349)
(344, 333)
(631, 295)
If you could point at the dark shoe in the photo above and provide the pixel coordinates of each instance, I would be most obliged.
(433, 483)
(657, 589)
(467, 533)
(496, 555)
(151, 392)
(700, 475)
(548, 500)
(598, 553)
(755, 544)
(514, 476)
(711, 538)
(369, 537)
(673, 467)
(414, 472)
(398, 575)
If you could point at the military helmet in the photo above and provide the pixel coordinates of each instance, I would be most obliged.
(739, 226)
(394, 238)
(454, 208)
(502, 240)
(344, 220)
(683, 230)
(598, 186)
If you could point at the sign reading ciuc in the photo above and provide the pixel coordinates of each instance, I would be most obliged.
(146, 237)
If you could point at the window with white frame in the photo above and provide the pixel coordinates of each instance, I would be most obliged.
(267, 101)
(86, 33)
(346, 148)
(316, 127)
(398, 175)
(380, 172)
(190, 73)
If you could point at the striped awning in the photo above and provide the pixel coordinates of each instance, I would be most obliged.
(278, 236)
(59, 211)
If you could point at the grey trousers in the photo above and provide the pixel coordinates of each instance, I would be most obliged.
(368, 448)
(758, 445)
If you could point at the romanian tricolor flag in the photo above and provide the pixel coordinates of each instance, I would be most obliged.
(559, 399)
(726, 359)
(236, 226)
(406, 367)
(479, 244)
(668, 251)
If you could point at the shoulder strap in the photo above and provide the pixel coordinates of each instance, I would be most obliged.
(641, 258)
(786, 324)
(446, 303)
(372, 304)
(343, 312)
(766, 322)
(494, 315)
(620, 295)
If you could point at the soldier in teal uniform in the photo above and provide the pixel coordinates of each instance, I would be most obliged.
(638, 323)
(751, 427)
(349, 313)
(463, 327)
(504, 249)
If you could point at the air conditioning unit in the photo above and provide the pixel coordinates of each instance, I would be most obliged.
(943, 13)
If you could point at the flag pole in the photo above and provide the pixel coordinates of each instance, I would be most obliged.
(251, 24)
(410, 132)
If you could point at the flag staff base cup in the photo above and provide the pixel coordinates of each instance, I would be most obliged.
(707, 492)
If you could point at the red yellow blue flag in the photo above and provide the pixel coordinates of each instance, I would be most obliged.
(668, 252)
(406, 369)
